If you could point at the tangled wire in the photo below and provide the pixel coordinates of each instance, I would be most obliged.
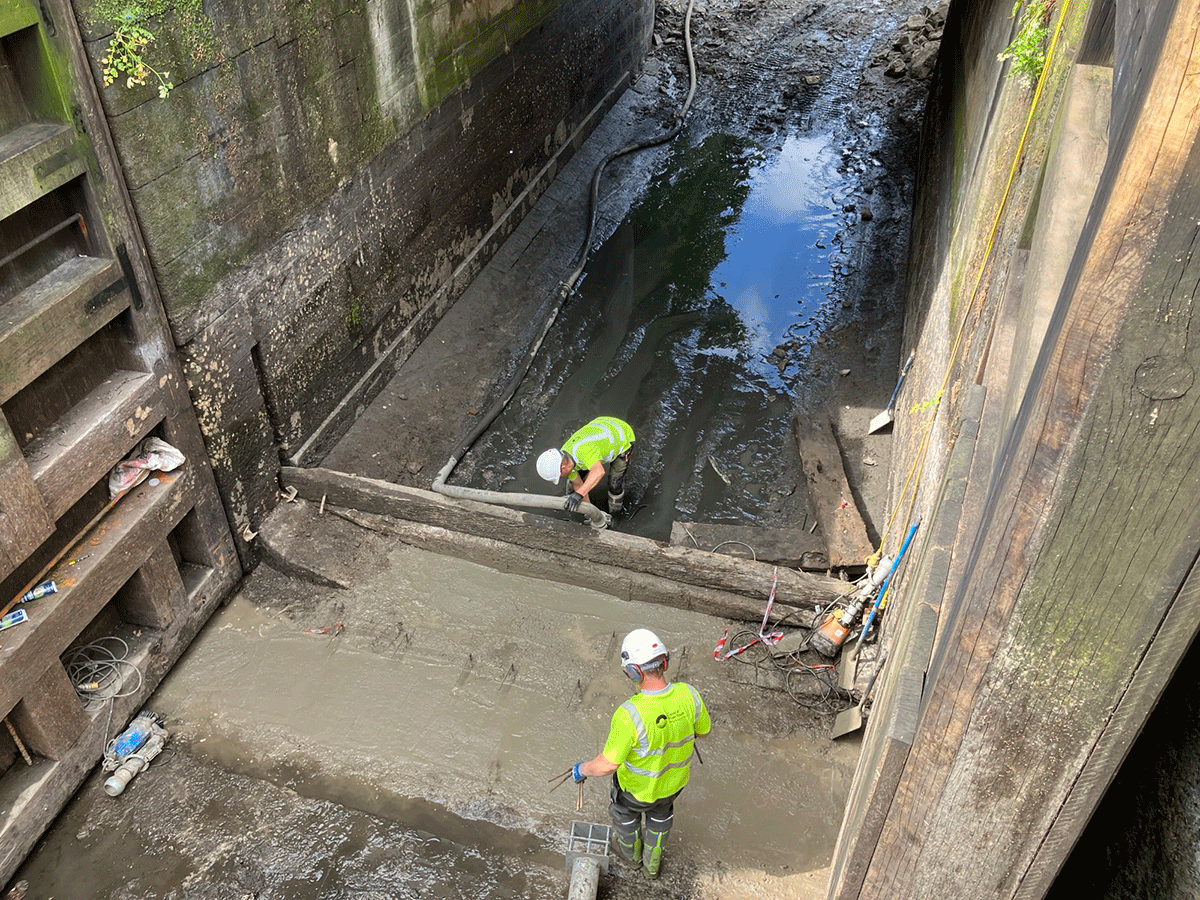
(812, 686)
(100, 672)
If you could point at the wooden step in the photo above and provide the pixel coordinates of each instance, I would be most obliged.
(53, 316)
(34, 160)
(118, 545)
(97, 432)
(24, 520)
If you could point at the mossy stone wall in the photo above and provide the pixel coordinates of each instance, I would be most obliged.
(319, 171)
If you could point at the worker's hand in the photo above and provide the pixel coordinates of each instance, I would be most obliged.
(571, 504)
(577, 773)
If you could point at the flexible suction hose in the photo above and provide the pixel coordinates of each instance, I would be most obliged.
(595, 517)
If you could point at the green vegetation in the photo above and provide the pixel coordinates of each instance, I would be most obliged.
(1027, 50)
(926, 405)
(354, 316)
(132, 22)
(123, 59)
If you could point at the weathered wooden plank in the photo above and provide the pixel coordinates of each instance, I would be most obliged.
(1090, 530)
(54, 315)
(34, 160)
(30, 798)
(829, 494)
(1162, 660)
(24, 520)
(117, 546)
(885, 750)
(84, 444)
(154, 594)
(795, 547)
(50, 718)
(625, 583)
(682, 564)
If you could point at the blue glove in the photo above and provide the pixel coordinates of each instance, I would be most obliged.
(576, 771)
(571, 504)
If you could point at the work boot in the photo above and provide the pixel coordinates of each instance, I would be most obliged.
(629, 849)
(616, 503)
(656, 843)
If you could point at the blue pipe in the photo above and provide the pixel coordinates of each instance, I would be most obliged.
(883, 589)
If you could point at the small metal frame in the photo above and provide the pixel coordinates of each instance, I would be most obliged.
(590, 840)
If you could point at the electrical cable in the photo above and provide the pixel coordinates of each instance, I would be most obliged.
(99, 674)
(565, 289)
(753, 555)
(825, 697)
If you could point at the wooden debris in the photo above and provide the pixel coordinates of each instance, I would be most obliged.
(829, 495)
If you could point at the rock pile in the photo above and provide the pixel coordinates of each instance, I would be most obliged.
(914, 49)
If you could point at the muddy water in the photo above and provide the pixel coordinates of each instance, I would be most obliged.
(408, 753)
(694, 322)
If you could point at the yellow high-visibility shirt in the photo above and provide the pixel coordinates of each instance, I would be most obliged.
(652, 737)
(601, 440)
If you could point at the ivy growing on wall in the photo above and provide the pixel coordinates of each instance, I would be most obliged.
(1027, 50)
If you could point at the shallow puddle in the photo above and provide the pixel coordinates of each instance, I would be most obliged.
(694, 322)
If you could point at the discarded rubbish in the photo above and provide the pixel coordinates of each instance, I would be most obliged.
(712, 462)
(42, 590)
(152, 454)
(16, 617)
(337, 628)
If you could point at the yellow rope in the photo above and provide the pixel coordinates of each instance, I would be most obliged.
(975, 297)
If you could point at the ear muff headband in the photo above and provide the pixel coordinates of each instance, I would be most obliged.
(634, 671)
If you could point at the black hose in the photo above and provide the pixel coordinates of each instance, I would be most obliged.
(568, 283)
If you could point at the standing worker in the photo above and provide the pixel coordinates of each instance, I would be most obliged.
(604, 441)
(649, 751)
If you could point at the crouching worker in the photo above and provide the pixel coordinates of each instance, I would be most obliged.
(649, 751)
(600, 447)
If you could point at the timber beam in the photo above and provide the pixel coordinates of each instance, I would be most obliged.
(681, 576)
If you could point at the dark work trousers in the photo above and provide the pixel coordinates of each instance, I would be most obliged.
(627, 811)
(616, 482)
(615, 472)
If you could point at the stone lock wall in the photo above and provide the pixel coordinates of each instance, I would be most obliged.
(325, 176)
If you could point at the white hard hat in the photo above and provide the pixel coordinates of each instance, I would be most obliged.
(549, 465)
(641, 647)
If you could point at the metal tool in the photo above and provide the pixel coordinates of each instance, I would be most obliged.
(851, 719)
(884, 419)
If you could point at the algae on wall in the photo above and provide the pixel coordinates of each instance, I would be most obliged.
(321, 168)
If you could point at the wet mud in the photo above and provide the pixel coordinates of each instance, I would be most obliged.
(394, 738)
(397, 738)
(750, 271)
